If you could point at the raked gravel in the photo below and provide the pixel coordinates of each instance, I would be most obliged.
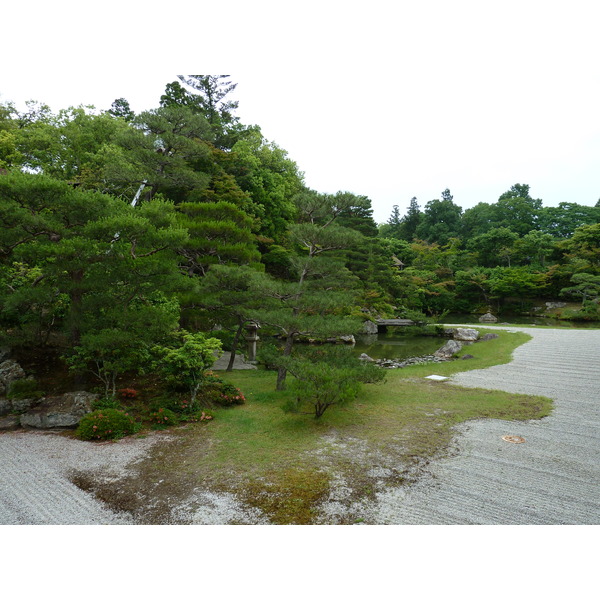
(552, 478)
(35, 469)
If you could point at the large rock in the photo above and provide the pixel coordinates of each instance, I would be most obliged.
(488, 336)
(449, 349)
(21, 405)
(5, 406)
(8, 423)
(551, 305)
(10, 370)
(488, 318)
(466, 335)
(59, 411)
(370, 328)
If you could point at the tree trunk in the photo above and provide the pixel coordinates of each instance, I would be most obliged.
(282, 371)
(234, 345)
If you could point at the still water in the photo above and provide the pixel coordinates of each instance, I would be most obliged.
(396, 345)
(393, 345)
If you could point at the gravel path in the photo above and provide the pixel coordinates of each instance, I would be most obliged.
(552, 478)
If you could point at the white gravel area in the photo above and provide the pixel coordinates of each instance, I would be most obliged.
(34, 477)
(551, 478)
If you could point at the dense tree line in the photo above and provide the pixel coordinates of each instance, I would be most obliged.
(502, 255)
(121, 233)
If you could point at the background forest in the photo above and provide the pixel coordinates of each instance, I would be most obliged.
(121, 233)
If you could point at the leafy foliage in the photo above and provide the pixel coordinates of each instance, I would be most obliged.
(324, 378)
(187, 363)
(106, 424)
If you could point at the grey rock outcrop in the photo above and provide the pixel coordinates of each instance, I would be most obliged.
(488, 336)
(366, 358)
(9, 423)
(551, 305)
(449, 349)
(5, 406)
(466, 335)
(10, 370)
(370, 328)
(59, 411)
(488, 318)
(21, 405)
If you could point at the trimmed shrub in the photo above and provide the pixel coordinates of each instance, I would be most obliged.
(127, 394)
(221, 394)
(106, 424)
(163, 417)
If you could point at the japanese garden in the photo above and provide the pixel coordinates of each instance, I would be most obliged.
(137, 249)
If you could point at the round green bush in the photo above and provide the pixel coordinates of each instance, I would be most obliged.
(221, 394)
(164, 417)
(106, 424)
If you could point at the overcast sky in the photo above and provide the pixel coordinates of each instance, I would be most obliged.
(385, 99)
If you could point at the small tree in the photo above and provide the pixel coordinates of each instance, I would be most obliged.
(587, 286)
(188, 363)
(326, 378)
(107, 354)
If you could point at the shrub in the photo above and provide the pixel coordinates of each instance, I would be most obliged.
(24, 388)
(106, 424)
(106, 403)
(127, 394)
(164, 417)
(221, 394)
(180, 405)
(199, 417)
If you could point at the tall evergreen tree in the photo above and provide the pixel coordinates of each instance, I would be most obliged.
(411, 220)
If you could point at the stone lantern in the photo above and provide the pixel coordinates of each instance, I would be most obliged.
(252, 328)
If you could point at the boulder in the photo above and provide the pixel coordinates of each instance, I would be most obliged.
(370, 328)
(10, 370)
(466, 356)
(449, 349)
(488, 336)
(5, 406)
(466, 335)
(59, 411)
(365, 357)
(551, 305)
(9, 423)
(488, 318)
(21, 405)
(347, 339)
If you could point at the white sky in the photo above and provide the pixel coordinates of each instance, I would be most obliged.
(385, 99)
